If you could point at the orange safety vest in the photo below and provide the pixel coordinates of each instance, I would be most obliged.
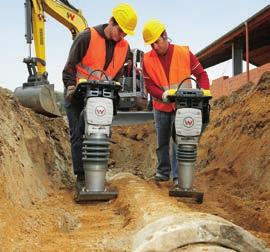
(179, 70)
(94, 59)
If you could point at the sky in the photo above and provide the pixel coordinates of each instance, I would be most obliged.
(188, 22)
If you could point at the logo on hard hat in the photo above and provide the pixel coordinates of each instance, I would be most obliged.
(188, 122)
(100, 111)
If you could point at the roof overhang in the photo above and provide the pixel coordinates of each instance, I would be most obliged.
(259, 42)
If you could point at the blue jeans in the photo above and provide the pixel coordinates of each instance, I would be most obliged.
(76, 125)
(167, 164)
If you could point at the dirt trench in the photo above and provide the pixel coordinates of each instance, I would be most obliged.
(37, 211)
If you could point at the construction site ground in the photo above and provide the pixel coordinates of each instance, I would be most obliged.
(37, 211)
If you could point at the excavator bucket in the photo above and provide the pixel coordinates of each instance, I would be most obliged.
(40, 98)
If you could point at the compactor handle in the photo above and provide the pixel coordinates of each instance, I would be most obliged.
(189, 78)
(96, 71)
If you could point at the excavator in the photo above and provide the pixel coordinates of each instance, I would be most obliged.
(37, 93)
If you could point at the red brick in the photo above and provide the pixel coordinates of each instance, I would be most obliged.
(225, 85)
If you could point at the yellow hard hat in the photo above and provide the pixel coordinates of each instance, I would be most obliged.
(126, 17)
(152, 30)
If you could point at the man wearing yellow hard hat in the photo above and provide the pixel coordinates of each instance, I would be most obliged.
(165, 66)
(101, 47)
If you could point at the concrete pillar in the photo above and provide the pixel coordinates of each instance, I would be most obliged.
(237, 56)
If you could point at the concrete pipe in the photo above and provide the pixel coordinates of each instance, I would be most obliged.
(165, 224)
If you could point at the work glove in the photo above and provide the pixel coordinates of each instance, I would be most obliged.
(118, 86)
(167, 93)
(70, 92)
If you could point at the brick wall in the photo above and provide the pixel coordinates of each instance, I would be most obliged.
(225, 85)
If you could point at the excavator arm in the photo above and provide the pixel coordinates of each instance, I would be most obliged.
(37, 93)
(61, 11)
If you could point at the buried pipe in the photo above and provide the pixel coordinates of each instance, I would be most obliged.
(164, 224)
(189, 230)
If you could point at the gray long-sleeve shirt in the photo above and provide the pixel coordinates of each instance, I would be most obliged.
(79, 49)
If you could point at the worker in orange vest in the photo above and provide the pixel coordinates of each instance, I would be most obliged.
(102, 47)
(165, 66)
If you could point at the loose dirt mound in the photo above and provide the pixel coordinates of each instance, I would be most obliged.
(36, 207)
(31, 148)
(234, 157)
(134, 150)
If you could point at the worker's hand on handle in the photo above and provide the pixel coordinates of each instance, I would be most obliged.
(70, 92)
(166, 94)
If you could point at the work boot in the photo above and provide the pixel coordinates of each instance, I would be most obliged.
(80, 181)
(160, 178)
(175, 182)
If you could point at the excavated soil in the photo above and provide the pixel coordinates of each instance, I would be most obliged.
(37, 211)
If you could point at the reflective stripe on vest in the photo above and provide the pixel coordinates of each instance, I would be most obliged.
(94, 59)
(179, 70)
